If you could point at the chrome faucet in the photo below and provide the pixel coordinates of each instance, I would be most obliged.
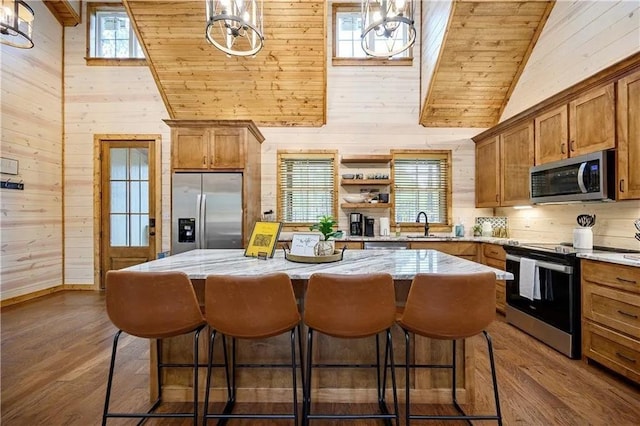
(426, 224)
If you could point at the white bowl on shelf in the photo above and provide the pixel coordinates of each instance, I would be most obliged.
(354, 198)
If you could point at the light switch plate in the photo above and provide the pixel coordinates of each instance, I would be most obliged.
(8, 166)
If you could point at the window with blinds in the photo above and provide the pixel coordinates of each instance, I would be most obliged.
(306, 187)
(422, 183)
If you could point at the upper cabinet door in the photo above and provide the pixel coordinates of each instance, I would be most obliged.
(189, 148)
(629, 137)
(226, 149)
(552, 136)
(516, 158)
(488, 173)
(591, 122)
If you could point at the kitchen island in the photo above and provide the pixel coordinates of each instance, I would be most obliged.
(330, 385)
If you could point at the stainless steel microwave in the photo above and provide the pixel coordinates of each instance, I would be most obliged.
(589, 177)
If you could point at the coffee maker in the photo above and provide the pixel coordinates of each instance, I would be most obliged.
(369, 223)
(356, 224)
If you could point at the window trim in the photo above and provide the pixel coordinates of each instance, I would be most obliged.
(423, 154)
(366, 61)
(305, 154)
(92, 8)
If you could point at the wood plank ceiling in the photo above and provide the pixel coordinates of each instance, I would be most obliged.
(284, 85)
(64, 11)
(485, 48)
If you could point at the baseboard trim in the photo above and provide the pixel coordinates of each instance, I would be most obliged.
(45, 292)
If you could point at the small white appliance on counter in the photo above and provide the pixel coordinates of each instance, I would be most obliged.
(583, 238)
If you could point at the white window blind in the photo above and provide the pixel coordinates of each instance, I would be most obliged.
(307, 188)
(421, 185)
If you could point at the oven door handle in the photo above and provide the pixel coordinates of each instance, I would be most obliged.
(547, 265)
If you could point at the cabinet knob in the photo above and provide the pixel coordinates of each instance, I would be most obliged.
(497, 197)
(621, 185)
(204, 160)
(562, 148)
(573, 146)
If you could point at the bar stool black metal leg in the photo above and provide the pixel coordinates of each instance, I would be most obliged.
(212, 337)
(110, 379)
(493, 376)
(196, 339)
(293, 376)
(394, 383)
(407, 386)
(306, 405)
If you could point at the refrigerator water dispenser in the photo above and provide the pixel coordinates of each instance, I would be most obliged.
(186, 230)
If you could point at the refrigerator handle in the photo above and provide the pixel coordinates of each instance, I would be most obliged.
(203, 221)
(198, 221)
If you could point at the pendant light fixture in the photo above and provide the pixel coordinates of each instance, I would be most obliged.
(16, 24)
(387, 27)
(235, 26)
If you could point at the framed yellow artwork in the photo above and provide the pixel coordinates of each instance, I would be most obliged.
(263, 239)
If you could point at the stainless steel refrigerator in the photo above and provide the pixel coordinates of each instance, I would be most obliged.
(206, 211)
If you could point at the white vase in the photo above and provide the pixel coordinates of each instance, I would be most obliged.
(324, 248)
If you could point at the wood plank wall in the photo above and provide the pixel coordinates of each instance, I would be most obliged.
(580, 39)
(102, 100)
(31, 220)
(437, 14)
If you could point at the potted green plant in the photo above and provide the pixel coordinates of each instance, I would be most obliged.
(477, 230)
(325, 226)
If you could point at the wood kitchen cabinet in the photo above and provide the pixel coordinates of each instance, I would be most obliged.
(592, 122)
(488, 172)
(210, 147)
(552, 135)
(628, 122)
(582, 126)
(516, 158)
(494, 255)
(502, 167)
(611, 316)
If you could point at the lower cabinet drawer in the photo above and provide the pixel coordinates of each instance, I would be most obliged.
(613, 308)
(613, 350)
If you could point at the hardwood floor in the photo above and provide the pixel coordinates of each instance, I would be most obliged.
(55, 352)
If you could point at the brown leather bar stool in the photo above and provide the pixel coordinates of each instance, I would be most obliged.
(450, 307)
(153, 305)
(350, 307)
(250, 307)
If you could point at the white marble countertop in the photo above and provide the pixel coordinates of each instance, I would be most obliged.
(401, 264)
(627, 259)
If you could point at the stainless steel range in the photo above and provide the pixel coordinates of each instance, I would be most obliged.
(553, 314)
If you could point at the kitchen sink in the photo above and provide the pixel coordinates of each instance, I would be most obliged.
(429, 237)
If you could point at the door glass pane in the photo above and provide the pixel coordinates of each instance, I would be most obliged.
(144, 197)
(129, 184)
(139, 164)
(119, 230)
(135, 197)
(118, 197)
(119, 163)
(139, 230)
